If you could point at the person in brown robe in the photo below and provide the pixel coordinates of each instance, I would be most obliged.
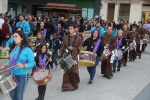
(133, 36)
(126, 36)
(141, 32)
(71, 78)
(110, 42)
(148, 33)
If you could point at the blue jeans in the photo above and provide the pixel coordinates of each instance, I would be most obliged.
(4, 44)
(92, 70)
(17, 93)
(54, 58)
(119, 64)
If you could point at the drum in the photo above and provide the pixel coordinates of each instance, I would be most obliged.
(8, 82)
(85, 37)
(32, 40)
(105, 54)
(66, 63)
(118, 54)
(146, 39)
(86, 32)
(132, 46)
(4, 54)
(127, 48)
(41, 76)
(86, 59)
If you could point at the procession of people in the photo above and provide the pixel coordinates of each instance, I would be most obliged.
(36, 44)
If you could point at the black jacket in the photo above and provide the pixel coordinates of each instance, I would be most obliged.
(50, 28)
(91, 43)
(55, 43)
(37, 30)
(81, 28)
(37, 60)
(13, 27)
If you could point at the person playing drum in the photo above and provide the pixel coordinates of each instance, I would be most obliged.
(126, 36)
(40, 39)
(41, 59)
(121, 44)
(22, 58)
(71, 44)
(133, 37)
(91, 43)
(110, 43)
(141, 33)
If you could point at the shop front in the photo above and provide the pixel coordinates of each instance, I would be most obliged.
(57, 10)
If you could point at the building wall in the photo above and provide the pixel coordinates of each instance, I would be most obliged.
(3, 6)
(146, 8)
(135, 12)
(104, 10)
(116, 13)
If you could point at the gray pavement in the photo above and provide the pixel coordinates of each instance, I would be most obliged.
(144, 94)
(125, 85)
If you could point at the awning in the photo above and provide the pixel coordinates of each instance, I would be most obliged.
(62, 6)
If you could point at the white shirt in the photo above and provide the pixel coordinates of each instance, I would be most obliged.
(1, 23)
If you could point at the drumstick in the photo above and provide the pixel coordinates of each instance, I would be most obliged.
(8, 68)
(38, 70)
(46, 64)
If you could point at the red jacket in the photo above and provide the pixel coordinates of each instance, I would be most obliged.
(5, 31)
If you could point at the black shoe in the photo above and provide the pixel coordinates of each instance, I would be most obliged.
(118, 70)
(108, 77)
(104, 76)
(77, 87)
(42, 99)
(114, 71)
(31, 75)
(90, 82)
(38, 98)
(130, 60)
(63, 90)
(139, 57)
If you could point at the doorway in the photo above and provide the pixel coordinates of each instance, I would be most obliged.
(111, 10)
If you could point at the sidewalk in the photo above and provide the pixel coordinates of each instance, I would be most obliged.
(125, 85)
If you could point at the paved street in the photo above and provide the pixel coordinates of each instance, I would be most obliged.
(125, 85)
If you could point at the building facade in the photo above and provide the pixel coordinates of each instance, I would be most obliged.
(3, 6)
(125, 9)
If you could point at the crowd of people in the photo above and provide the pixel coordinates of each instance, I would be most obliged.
(67, 36)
